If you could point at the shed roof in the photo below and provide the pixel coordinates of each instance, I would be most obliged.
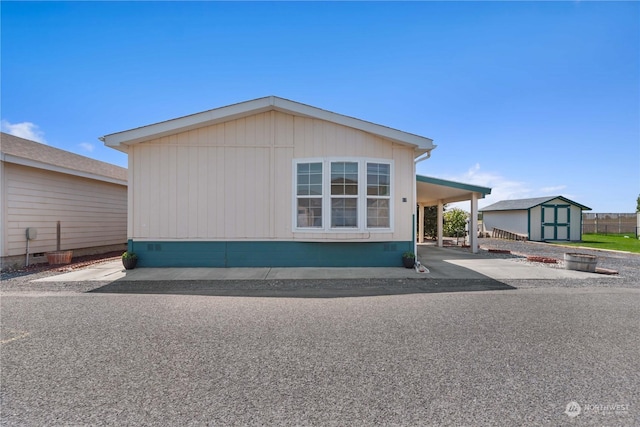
(121, 140)
(525, 204)
(22, 151)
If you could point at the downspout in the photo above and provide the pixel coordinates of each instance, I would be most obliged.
(417, 160)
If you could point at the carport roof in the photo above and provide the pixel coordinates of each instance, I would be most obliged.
(431, 190)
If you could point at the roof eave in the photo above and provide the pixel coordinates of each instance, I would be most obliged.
(257, 106)
(9, 158)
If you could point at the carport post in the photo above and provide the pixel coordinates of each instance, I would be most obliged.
(473, 225)
(440, 222)
(420, 223)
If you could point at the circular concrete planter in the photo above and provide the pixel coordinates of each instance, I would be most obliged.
(580, 262)
(59, 257)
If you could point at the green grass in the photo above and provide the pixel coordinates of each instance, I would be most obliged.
(616, 242)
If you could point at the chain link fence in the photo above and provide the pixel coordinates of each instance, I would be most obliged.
(611, 223)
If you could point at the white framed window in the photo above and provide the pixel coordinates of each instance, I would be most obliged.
(309, 195)
(343, 195)
(378, 195)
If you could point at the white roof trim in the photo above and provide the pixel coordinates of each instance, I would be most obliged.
(243, 109)
(9, 158)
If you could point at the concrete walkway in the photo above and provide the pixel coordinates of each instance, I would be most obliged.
(442, 263)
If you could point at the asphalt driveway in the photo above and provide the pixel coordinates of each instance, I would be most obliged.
(512, 357)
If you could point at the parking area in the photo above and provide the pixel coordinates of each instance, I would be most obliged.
(479, 340)
(441, 263)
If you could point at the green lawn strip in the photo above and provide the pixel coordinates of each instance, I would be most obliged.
(616, 242)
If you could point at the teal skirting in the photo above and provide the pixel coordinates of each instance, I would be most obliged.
(269, 254)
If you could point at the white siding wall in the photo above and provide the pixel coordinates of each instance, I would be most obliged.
(513, 221)
(536, 224)
(233, 181)
(91, 213)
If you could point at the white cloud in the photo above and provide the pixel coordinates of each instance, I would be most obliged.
(86, 146)
(26, 130)
(502, 188)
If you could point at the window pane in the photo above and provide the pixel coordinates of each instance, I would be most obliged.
(351, 167)
(315, 190)
(315, 178)
(310, 212)
(378, 179)
(344, 178)
(351, 190)
(309, 179)
(378, 213)
(344, 212)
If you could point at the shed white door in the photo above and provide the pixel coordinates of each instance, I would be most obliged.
(556, 222)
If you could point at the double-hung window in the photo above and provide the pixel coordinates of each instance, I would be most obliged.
(309, 195)
(343, 195)
(378, 195)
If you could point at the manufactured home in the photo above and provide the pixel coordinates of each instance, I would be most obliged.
(271, 182)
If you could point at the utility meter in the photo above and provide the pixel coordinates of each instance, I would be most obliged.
(32, 233)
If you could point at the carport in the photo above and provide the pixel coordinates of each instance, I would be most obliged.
(438, 192)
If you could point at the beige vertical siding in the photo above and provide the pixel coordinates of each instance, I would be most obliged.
(91, 213)
(233, 181)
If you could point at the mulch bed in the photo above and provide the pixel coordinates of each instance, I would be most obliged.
(542, 259)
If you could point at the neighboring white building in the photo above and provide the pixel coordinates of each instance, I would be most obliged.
(42, 185)
(539, 219)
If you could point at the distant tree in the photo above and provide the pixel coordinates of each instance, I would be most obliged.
(455, 221)
(638, 204)
(430, 220)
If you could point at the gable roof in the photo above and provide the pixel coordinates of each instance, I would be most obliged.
(121, 140)
(22, 151)
(525, 204)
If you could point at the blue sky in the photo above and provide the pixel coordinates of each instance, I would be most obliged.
(528, 98)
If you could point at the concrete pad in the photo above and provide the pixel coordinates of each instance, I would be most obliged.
(442, 264)
(108, 271)
(344, 273)
(501, 269)
(113, 271)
